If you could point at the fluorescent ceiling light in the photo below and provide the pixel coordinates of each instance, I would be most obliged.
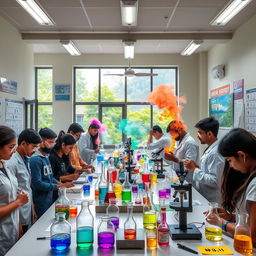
(129, 49)
(192, 46)
(229, 11)
(36, 11)
(70, 47)
(129, 12)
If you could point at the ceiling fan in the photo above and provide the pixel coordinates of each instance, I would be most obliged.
(129, 72)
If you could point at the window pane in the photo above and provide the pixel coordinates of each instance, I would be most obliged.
(163, 124)
(165, 76)
(87, 84)
(112, 87)
(45, 116)
(112, 117)
(85, 113)
(44, 85)
(138, 88)
(140, 115)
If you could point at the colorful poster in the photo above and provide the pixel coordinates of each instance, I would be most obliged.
(250, 112)
(62, 92)
(221, 106)
(8, 86)
(238, 87)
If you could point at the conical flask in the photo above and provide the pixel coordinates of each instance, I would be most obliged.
(130, 224)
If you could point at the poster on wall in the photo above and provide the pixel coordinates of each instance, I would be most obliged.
(221, 106)
(250, 113)
(8, 86)
(62, 92)
(238, 87)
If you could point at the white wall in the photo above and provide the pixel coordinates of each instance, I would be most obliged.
(189, 68)
(239, 57)
(16, 61)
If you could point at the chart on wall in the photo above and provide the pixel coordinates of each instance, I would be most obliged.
(221, 105)
(238, 87)
(14, 114)
(251, 110)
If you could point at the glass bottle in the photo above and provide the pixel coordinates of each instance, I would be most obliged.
(60, 232)
(163, 230)
(126, 189)
(213, 232)
(62, 203)
(113, 212)
(242, 237)
(130, 224)
(118, 188)
(145, 193)
(151, 235)
(110, 193)
(96, 189)
(149, 214)
(111, 171)
(103, 187)
(106, 233)
(145, 173)
(73, 208)
(84, 227)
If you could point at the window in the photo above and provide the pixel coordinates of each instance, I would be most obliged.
(44, 97)
(111, 98)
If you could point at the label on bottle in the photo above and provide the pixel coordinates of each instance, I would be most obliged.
(163, 237)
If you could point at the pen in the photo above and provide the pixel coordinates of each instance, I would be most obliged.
(181, 246)
(42, 238)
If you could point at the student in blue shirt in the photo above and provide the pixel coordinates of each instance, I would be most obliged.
(28, 142)
(43, 183)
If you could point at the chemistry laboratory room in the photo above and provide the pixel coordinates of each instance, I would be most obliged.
(127, 127)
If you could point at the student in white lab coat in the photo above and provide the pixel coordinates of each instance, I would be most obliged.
(162, 140)
(207, 176)
(10, 197)
(187, 147)
(28, 142)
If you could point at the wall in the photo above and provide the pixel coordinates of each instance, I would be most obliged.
(16, 61)
(189, 82)
(239, 57)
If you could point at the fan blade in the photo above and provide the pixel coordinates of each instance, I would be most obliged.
(145, 74)
(113, 74)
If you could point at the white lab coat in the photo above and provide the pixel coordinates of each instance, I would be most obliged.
(9, 225)
(23, 175)
(207, 178)
(163, 142)
(187, 148)
(86, 148)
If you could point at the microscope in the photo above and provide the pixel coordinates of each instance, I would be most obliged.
(158, 162)
(183, 231)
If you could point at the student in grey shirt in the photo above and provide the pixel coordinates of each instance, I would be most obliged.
(28, 142)
(207, 176)
(239, 180)
(187, 147)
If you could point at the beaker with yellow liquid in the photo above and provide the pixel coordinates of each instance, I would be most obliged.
(213, 232)
(242, 237)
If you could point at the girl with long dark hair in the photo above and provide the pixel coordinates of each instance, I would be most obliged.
(239, 180)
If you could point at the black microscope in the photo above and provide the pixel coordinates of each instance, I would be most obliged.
(158, 162)
(183, 231)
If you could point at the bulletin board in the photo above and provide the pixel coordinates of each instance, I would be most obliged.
(11, 114)
(250, 113)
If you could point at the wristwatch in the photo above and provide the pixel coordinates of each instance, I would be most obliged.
(224, 225)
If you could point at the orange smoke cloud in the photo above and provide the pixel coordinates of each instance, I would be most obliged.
(163, 96)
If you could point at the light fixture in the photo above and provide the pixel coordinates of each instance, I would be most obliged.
(129, 12)
(229, 11)
(36, 11)
(129, 49)
(70, 47)
(192, 46)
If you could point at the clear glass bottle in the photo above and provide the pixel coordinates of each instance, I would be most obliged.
(163, 230)
(242, 236)
(126, 189)
(84, 227)
(60, 233)
(118, 188)
(149, 214)
(130, 224)
(103, 187)
(213, 232)
(62, 203)
(96, 189)
(113, 212)
(111, 171)
(106, 233)
(110, 193)
(151, 235)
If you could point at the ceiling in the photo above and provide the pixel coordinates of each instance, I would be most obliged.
(164, 26)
